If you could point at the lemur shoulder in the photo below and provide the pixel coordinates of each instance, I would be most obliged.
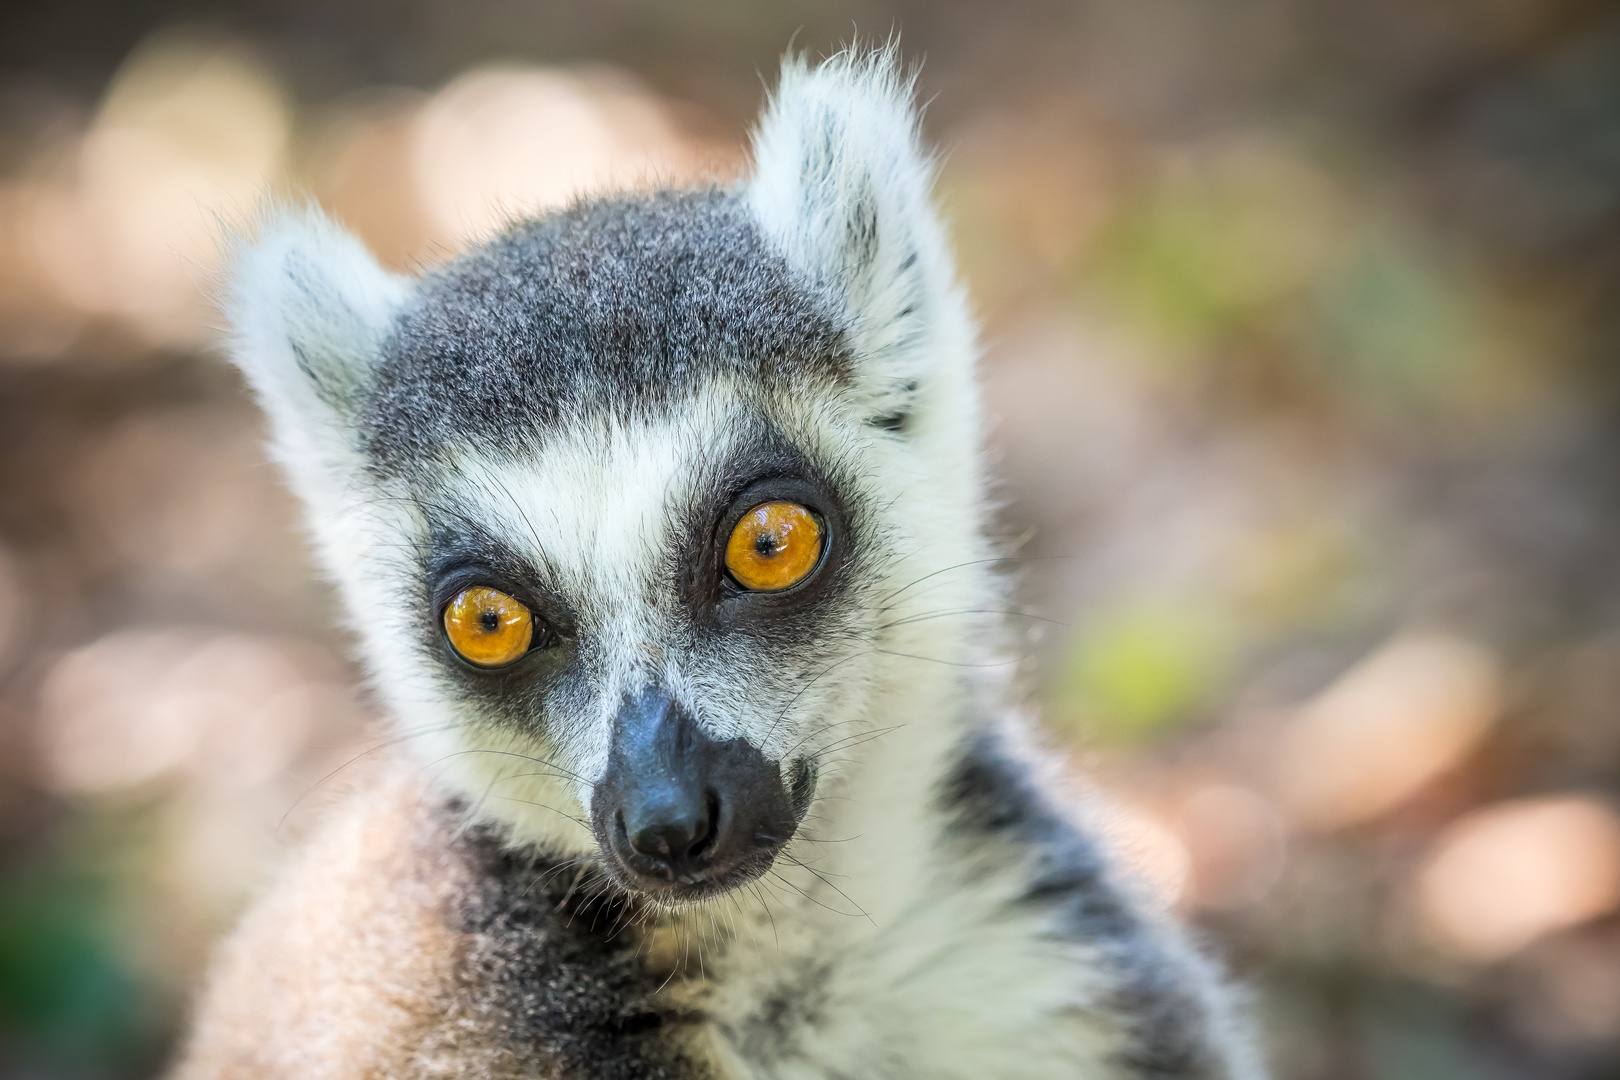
(660, 523)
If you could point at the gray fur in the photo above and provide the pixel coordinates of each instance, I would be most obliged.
(552, 971)
(614, 305)
(991, 798)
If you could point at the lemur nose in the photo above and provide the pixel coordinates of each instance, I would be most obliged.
(680, 810)
(674, 826)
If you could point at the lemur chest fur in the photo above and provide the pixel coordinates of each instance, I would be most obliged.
(1003, 928)
(407, 944)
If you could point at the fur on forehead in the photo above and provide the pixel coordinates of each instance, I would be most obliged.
(616, 304)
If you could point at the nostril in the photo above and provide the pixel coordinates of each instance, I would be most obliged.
(708, 826)
(660, 840)
(674, 838)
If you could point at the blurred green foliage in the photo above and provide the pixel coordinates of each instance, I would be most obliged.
(69, 1003)
(1134, 672)
(1208, 252)
(1394, 325)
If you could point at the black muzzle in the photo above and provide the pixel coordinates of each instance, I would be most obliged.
(682, 815)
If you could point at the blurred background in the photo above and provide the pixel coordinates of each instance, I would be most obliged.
(1301, 321)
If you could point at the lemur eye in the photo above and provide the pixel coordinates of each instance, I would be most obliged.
(487, 627)
(774, 547)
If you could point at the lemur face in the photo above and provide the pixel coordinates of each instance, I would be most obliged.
(642, 609)
(666, 612)
(620, 500)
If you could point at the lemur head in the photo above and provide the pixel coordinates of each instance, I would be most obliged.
(634, 506)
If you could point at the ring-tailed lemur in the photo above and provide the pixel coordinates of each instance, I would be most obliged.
(660, 520)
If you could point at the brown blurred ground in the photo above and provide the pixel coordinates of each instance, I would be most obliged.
(1301, 339)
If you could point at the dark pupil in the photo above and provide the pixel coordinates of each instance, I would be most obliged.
(765, 544)
(490, 620)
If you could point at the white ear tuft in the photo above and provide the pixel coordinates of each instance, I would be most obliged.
(310, 309)
(841, 186)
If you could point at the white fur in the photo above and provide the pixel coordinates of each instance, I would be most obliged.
(309, 308)
(837, 158)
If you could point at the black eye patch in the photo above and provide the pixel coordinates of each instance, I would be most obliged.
(463, 556)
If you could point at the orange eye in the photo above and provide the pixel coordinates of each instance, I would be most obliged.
(487, 627)
(774, 546)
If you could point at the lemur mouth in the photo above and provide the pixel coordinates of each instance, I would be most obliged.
(681, 816)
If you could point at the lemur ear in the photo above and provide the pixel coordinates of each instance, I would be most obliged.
(841, 187)
(309, 309)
